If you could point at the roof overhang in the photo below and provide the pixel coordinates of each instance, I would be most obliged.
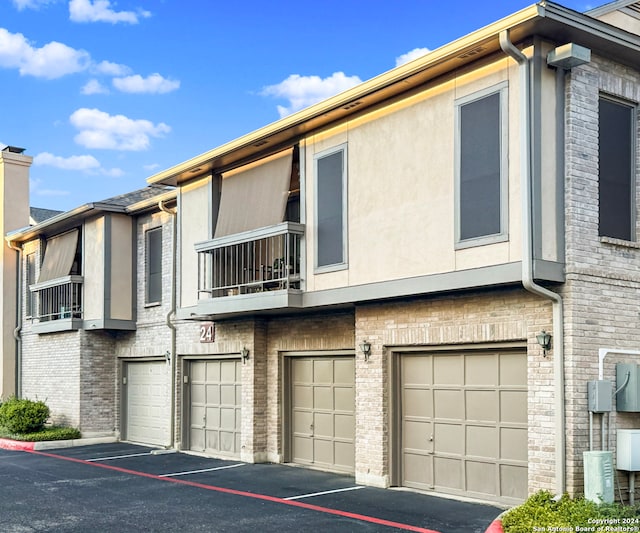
(547, 20)
(69, 219)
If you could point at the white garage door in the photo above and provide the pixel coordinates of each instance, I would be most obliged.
(322, 420)
(463, 423)
(146, 399)
(215, 407)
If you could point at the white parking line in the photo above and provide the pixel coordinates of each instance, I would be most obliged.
(117, 457)
(200, 471)
(321, 493)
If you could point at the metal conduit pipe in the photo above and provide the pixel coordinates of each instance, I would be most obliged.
(527, 256)
(170, 314)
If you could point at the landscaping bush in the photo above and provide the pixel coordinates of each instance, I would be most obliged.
(542, 513)
(22, 415)
(48, 433)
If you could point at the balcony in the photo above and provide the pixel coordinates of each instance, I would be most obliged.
(58, 304)
(249, 271)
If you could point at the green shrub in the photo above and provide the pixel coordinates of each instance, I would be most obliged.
(22, 415)
(542, 513)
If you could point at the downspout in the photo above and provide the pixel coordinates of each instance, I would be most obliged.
(170, 315)
(18, 329)
(527, 256)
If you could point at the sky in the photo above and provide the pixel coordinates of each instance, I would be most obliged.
(103, 94)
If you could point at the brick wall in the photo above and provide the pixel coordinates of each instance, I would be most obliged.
(603, 279)
(498, 316)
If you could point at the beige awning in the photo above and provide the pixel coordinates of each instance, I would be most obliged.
(58, 256)
(255, 195)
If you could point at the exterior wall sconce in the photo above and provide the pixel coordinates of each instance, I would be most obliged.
(245, 355)
(365, 348)
(544, 340)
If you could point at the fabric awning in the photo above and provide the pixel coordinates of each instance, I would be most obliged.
(58, 256)
(255, 195)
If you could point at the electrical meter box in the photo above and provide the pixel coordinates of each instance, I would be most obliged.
(628, 396)
(598, 476)
(600, 396)
(628, 450)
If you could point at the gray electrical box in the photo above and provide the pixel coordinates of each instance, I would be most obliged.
(628, 396)
(600, 396)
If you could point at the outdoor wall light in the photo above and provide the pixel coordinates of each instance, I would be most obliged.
(245, 354)
(544, 340)
(365, 348)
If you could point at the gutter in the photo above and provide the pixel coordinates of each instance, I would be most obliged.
(170, 315)
(527, 257)
(18, 329)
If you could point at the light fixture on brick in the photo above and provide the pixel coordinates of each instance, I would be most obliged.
(365, 348)
(544, 340)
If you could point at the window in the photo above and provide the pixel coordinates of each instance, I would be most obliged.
(331, 208)
(153, 275)
(30, 304)
(616, 169)
(481, 167)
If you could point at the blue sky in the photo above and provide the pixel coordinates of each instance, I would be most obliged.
(104, 94)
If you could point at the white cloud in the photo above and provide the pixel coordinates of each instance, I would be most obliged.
(303, 91)
(53, 60)
(411, 55)
(115, 132)
(100, 11)
(154, 83)
(75, 162)
(93, 86)
(31, 4)
(151, 166)
(111, 69)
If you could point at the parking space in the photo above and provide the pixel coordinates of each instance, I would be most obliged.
(123, 487)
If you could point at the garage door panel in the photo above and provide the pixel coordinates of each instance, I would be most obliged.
(322, 411)
(513, 407)
(323, 425)
(513, 444)
(146, 397)
(482, 441)
(323, 398)
(215, 425)
(344, 427)
(448, 404)
(447, 472)
(344, 398)
(447, 370)
(482, 405)
(416, 371)
(481, 477)
(513, 370)
(418, 471)
(323, 372)
(481, 370)
(448, 438)
(465, 430)
(417, 403)
(513, 481)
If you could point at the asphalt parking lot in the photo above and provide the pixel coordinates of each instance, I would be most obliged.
(122, 487)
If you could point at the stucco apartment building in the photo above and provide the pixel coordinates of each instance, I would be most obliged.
(360, 287)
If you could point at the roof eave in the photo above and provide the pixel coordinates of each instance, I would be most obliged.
(547, 19)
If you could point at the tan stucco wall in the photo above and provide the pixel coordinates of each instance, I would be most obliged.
(121, 267)
(94, 265)
(401, 185)
(194, 206)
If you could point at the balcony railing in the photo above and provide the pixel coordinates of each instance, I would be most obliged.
(58, 299)
(267, 259)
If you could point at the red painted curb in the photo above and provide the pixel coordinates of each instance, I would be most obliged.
(8, 444)
(495, 527)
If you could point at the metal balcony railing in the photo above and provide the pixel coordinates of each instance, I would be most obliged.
(267, 259)
(58, 299)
